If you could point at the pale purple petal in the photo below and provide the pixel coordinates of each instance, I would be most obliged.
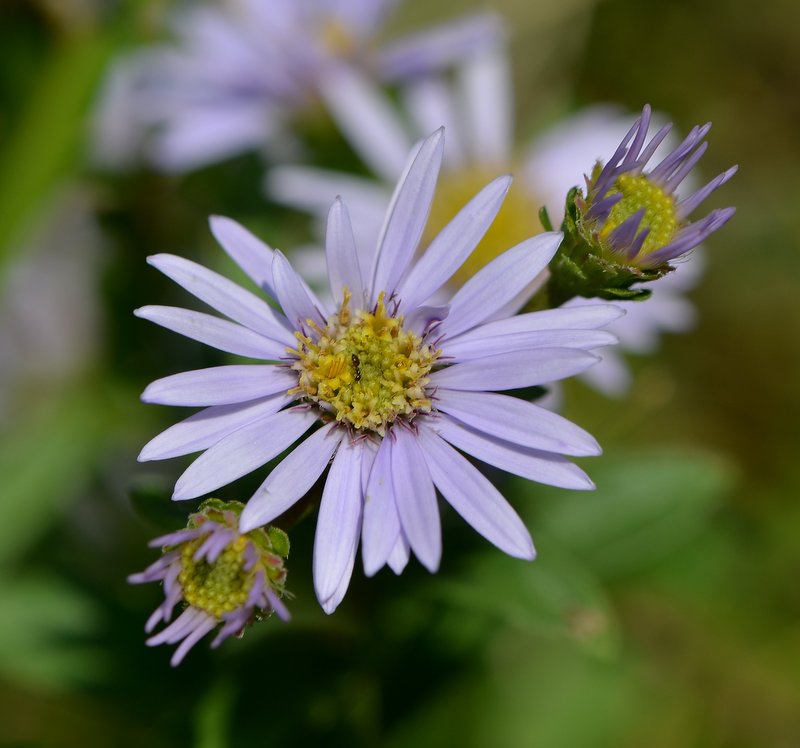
(583, 317)
(293, 295)
(338, 526)
(200, 431)
(416, 500)
(224, 296)
(517, 421)
(499, 282)
(439, 47)
(408, 215)
(220, 385)
(398, 558)
(532, 464)
(243, 451)
(203, 627)
(292, 478)
(218, 333)
(514, 369)
(366, 117)
(474, 497)
(453, 245)
(381, 526)
(493, 345)
(342, 255)
(246, 250)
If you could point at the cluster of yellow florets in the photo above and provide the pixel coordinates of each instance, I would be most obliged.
(219, 587)
(366, 369)
(639, 192)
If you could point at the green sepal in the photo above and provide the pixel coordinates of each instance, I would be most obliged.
(624, 294)
(544, 219)
(279, 540)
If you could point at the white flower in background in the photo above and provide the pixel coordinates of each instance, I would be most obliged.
(477, 109)
(239, 71)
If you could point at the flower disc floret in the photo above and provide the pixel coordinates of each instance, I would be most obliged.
(641, 195)
(365, 368)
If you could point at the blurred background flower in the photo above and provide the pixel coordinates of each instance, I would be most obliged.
(662, 609)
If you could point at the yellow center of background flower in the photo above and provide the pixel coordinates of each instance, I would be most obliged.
(216, 588)
(639, 192)
(366, 369)
(517, 220)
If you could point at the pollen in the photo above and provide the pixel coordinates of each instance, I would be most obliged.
(218, 587)
(516, 221)
(364, 368)
(639, 192)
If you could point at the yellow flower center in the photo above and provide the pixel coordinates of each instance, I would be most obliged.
(517, 220)
(216, 588)
(364, 368)
(638, 193)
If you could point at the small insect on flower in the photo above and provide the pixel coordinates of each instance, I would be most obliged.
(221, 576)
(635, 215)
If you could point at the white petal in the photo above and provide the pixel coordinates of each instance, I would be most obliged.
(408, 214)
(338, 526)
(246, 250)
(203, 429)
(489, 99)
(340, 245)
(367, 118)
(541, 467)
(518, 421)
(416, 500)
(453, 245)
(474, 497)
(293, 295)
(381, 522)
(292, 478)
(500, 281)
(514, 369)
(493, 345)
(223, 295)
(220, 385)
(243, 451)
(218, 333)
(429, 101)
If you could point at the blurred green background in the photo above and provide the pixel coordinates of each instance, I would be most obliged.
(663, 609)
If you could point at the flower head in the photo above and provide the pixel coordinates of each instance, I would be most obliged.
(238, 72)
(635, 214)
(222, 576)
(391, 382)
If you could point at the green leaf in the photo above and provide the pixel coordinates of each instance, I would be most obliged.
(646, 506)
(555, 597)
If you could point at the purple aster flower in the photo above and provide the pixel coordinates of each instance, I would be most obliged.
(220, 575)
(393, 384)
(239, 71)
(635, 214)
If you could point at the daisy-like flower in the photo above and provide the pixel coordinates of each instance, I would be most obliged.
(239, 71)
(634, 215)
(393, 385)
(222, 576)
(477, 109)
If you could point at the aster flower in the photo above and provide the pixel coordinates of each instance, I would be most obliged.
(222, 576)
(239, 71)
(477, 109)
(393, 384)
(635, 214)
